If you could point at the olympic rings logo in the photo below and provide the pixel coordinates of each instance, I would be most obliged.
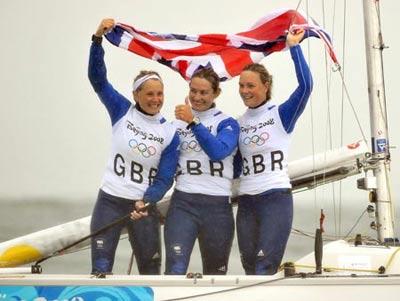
(190, 146)
(256, 139)
(143, 149)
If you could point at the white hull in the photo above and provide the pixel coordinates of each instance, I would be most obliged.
(348, 270)
(234, 288)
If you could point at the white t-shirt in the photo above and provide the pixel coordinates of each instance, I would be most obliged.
(196, 172)
(264, 145)
(136, 146)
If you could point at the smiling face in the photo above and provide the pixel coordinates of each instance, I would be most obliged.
(150, 96)
(251, 89)
(201, 94)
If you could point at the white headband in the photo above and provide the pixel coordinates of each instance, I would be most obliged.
(137, 83)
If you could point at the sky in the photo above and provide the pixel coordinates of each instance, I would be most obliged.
(55, 134)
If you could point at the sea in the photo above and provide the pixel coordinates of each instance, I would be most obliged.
(18, 218)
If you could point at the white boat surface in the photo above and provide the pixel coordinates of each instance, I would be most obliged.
(362, 272)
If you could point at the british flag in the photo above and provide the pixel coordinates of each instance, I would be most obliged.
(227, 54)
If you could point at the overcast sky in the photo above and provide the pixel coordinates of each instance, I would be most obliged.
(55, 133)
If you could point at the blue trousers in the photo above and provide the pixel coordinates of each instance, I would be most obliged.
(208, 218)
(264, 222)
(144, 235)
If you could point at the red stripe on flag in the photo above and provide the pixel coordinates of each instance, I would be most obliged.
(275, 27)
(214, 39)
(141, 48)
(182, 67)
(235, 60)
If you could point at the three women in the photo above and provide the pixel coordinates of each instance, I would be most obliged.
(142, 168)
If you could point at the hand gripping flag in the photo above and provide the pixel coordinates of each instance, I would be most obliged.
(227, 54)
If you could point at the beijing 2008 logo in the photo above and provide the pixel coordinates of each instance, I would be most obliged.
(190, 146)
(143, 149)
(256, 139)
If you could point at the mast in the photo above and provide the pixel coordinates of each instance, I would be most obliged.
(374, 45)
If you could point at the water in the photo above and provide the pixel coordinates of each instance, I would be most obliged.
(20, 218)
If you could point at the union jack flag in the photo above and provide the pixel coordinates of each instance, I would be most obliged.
(227, 54)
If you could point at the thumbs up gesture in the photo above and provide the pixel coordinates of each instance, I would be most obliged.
(184, 112)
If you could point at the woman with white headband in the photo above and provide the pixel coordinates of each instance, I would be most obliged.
(140, 169)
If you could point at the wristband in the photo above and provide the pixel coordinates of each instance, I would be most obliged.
(97, 39)
(194, 122)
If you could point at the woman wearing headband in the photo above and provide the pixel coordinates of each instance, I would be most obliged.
(265, 208)
(200, 206)
(140, 169)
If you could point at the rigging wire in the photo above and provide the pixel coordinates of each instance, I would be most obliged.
(328, 237)
(316, 221)
(329, 124)
(356, 223)
(344, 92)
(381, 47)
(352, 106)
(312, 121)
(329, 113)
(389, 191)
(342, 107)
(329, 135)
(328, 105)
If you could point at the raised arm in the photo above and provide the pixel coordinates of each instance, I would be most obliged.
(292, 108)
(116, 104)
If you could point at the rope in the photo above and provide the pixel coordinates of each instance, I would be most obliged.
(327, 268)
(356, 223)
(327, 237)
(130, 265)
(106, 227)
(389, 262)
(231, 289)
(389, 191)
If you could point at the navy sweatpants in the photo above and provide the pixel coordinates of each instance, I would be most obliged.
(144, 235)
(208, 218)
(264, 222)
